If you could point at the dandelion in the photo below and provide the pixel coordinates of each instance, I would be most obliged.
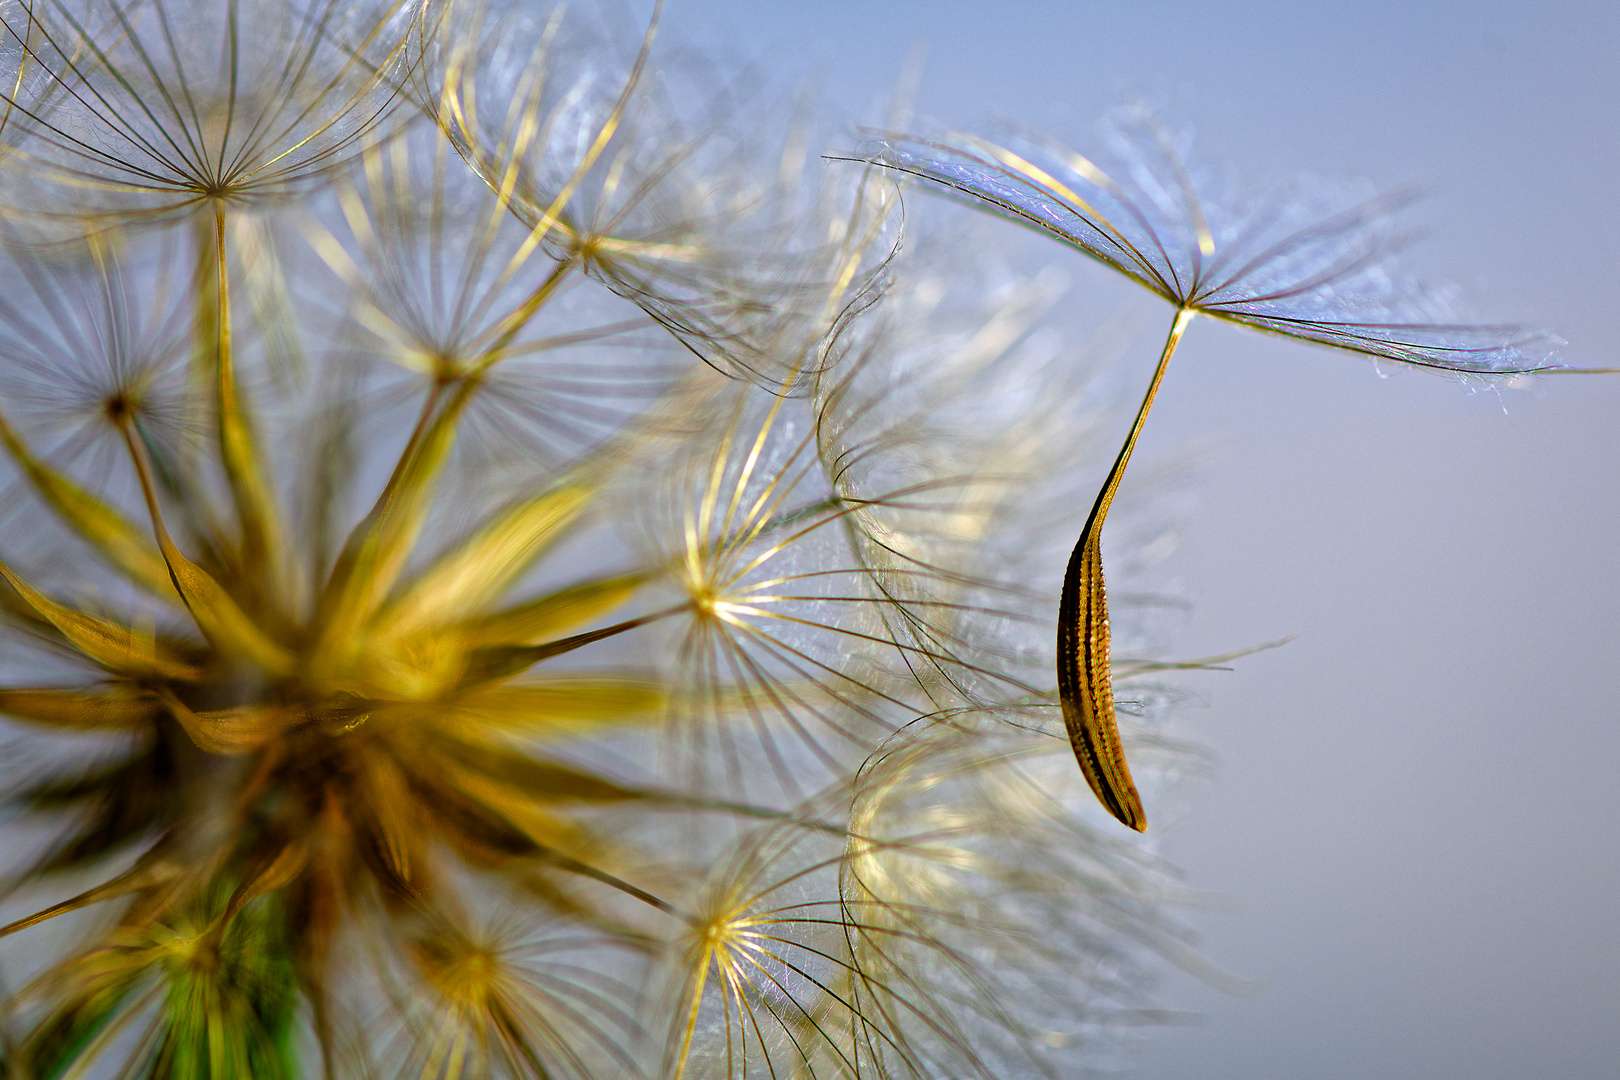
(123, 110)
(422, 662)
(1296, 262)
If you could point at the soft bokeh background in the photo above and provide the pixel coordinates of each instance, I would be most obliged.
(1417, 807)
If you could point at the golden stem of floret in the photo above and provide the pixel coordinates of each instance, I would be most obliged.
(217, 615)
(101, 525)
(376, 551)
(239, 450)
(1085, 678)
(143, 875)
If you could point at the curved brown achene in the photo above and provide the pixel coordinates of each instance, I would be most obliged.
(1085, 677)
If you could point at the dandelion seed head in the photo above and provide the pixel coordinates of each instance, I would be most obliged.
(499, 589)
(143, 111)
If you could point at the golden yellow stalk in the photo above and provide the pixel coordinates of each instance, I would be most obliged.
(79, 710)
(239, 730)
(217, 615)
(551, 615)
(561, 705)
(239, 451)
(143, 875)
(113, 535)
(483, 567)
(377, 549)
(118, 648)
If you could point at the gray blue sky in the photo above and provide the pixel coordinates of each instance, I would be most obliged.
(1417, 805)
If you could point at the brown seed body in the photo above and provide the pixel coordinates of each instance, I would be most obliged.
(1085, 684)
(1084, 669)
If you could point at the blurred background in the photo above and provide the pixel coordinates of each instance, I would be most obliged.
(1416, 812)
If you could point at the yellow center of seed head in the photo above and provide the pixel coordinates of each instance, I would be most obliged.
(708, 605)
(700, 587)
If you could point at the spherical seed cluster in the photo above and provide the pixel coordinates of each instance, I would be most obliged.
(504, 580)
